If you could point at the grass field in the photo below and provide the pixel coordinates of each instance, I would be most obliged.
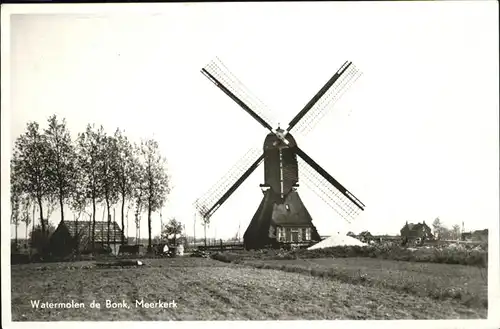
(467, 284)
(205, 289)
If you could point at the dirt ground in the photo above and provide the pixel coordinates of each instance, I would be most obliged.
(206, 289)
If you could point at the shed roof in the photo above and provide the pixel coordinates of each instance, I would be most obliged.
(101, 230)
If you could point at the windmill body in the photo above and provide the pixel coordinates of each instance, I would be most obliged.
(281, 216)
(281, 170)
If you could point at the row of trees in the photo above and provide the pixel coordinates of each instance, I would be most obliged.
(50, 170)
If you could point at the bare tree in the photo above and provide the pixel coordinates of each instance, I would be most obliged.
(456, 231)
(202, 210)
(29, 166)
(437, 226)
(155, 180)
(61, 161)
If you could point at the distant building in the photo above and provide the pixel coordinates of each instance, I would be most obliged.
(478, 235)
(72, 234)
(414, 232)
(365, 236)
(466, 236)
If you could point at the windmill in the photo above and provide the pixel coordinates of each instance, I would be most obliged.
(281, 216)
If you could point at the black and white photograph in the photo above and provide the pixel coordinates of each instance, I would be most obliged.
(201, 162)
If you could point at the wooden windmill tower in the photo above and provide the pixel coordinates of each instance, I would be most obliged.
(281, 216)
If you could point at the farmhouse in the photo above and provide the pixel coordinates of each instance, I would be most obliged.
(365, 236)
(70, 234)
(412, 232)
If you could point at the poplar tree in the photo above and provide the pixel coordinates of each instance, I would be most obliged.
(155, 181)
(125, 171)
(61, 161)
(89, 152)
(29, 168)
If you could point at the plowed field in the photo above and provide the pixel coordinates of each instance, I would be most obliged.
(206, 289)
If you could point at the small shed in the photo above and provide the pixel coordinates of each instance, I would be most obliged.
(72, 235)
(136, 250)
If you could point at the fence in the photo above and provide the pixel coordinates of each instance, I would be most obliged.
(220, 245)
(232, 245)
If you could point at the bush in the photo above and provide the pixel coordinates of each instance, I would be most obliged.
(17, 258)
(225, 257)
(431, 255)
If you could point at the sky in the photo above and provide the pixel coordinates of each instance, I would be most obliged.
(415, 138)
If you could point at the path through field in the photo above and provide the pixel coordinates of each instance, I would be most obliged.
(210, 290)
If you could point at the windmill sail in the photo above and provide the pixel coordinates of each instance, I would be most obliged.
(219, 193)
(220, 75)
(331, 196)
(330, 99)
(328, 188)
(216, 190)
(281, 205)
(325, 99)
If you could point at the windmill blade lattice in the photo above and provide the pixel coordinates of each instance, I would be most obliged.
(217, 69)
(210, 197)
(328, 100)
(333, 197)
